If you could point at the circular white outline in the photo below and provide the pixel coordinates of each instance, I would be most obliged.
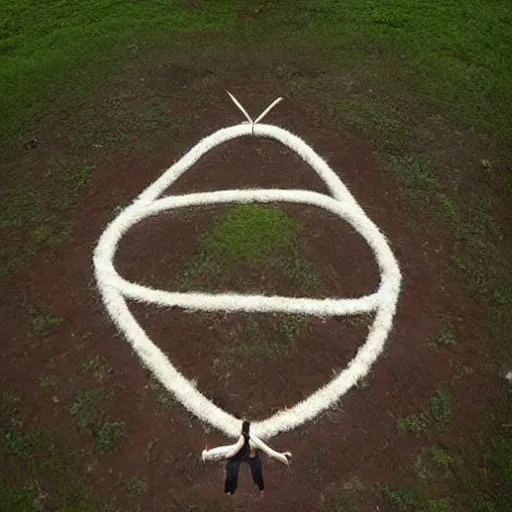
(114, 288)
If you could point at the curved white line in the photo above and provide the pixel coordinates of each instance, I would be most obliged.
(113, 287)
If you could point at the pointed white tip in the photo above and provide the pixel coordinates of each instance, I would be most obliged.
(242, 109)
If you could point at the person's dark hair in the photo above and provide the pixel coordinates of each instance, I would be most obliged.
(245, 427)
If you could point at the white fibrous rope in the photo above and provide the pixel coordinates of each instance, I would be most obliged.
(115, 290)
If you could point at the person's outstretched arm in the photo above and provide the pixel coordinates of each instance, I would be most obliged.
(284, 457)
(223, 452)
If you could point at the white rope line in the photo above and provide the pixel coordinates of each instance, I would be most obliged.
(115, 290)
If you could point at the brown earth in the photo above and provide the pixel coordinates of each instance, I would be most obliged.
(357, 439)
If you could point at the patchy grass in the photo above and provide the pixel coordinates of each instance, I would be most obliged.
(416, 423)
(135, 486)
(98, 367)
(32, 212)
(292, 326)
(87, 408)
(414, 499)
(347, 500)
(52, 478)
(473, 474)
(436, 462)
(500, 321)
(482, 483)
(48, 382)
(447, 336)
(108, 436)
(253, 343)
(440, 406)
(438, 413)
(44, 324)
(88, 412)
(42, 321)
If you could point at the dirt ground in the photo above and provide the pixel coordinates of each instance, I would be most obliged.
(356, 444)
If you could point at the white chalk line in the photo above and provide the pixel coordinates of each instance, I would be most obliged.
(115, 289)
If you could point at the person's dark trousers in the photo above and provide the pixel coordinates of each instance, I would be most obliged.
(232, 471)
(257, 471)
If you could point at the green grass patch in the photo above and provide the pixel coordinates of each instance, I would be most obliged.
(65, 52)
(88, 412)
(249, 233)
(51, 477)
(42, 321)
(292, 326)
(109, 435)
(33, 213)
(249, 237)
(48, 382)
(87, 409)
(474, 474)
(98, 367)
(438, 413)
(447, 336)
(136, 486)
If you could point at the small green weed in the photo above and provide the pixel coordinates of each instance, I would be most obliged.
(9, 400)
(290, 327)
(447, 335)
(48, 382)
(98, 367)
(87, 408)
(414, 423)
(149, 451)
(460, 370)
(441, 458)
(438, 413)
(441, 406)
(42, 321)
(435, 463)
(108, 436)
(44, 324)
(135, 486)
